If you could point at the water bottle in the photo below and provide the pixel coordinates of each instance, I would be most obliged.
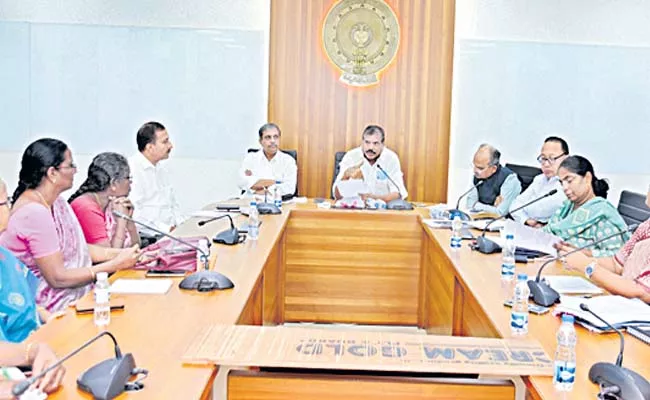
(565, 356)
(203, 256)
(456, 226)
(102, 311)
(277, 196)
(519, 315)
(508, 267)
(253, 221)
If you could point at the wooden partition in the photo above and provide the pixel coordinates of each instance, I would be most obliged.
(320, 115)
(352, 267)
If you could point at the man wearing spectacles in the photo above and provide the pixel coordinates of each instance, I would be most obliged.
(554, 151)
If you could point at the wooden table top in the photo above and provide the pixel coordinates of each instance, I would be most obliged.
(158, 329)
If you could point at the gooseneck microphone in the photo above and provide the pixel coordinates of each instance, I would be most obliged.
(614, 378)
(456, 211)
(104, 380)
(229, 236)
(397, 204)
(545, 295)
(487, 246)
(201, 280)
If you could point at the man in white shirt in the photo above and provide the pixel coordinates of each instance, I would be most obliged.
(261, 169)
(554, 151)
(371, 162)
(152, 195)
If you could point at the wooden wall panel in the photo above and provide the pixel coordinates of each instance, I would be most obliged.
(319, 115)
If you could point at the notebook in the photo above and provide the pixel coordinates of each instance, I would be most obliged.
(640, 332)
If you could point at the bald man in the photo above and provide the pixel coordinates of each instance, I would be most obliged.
(500, 184)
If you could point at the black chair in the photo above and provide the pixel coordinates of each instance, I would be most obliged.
(292, 153)
(632, 207)
(338, 156)
(525, 174)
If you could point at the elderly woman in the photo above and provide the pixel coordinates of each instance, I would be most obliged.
(628, 272)
(586, 215)
(105, 190)
(45, 235)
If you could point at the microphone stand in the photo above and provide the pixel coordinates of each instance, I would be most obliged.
(543, 294)
(456, 211)
(201, 280)
(266, 207)
(104, 380)
(614, 378)
(396, 204)
(229, 236)
(487, 246)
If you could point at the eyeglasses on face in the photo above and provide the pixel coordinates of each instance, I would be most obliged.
(549, 160)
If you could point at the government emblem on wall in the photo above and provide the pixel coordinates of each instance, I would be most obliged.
(361, 38)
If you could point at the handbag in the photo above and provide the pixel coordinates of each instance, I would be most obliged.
(170, 255)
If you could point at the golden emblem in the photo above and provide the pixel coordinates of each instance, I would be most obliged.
(361, 37)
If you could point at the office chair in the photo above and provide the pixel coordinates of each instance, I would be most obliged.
(525, 174)
(338, 156)
(632, 207)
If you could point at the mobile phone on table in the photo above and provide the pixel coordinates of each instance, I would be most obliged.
(532, 307)
(86, 305)
(160, 273)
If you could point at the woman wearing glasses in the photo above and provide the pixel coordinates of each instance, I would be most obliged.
(45, 235)
(554, 151)
(586, 215)
(628, 272)
(105, 190)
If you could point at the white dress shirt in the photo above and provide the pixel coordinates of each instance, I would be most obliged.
(376, 181)
(544, 209)
(152, 195)
(282, 167)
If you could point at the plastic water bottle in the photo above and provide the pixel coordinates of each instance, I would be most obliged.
(508, 267)
(102, 312)
(253, 222)
(456, 238)
(519, 315)
(202, 256)
(565, 355)
(277, 196)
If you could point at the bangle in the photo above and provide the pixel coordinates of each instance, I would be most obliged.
(28, 350)
(4, 203)
(92, 273)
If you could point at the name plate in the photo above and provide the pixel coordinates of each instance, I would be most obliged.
(295, 347)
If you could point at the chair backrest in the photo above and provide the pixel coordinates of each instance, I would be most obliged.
(525, 173)
(292, 153)
(338, 156)
(632, 207)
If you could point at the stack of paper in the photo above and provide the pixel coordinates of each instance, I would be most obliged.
(567, 284)
(141, 286)
(617, 310)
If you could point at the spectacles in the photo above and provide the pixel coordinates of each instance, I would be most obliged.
(71, 166)
(549, 160)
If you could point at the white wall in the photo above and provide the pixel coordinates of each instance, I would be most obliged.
(602, 124)
(99, 104)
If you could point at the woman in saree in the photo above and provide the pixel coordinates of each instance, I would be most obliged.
(586, 216)
(45, 235)
(628, 272)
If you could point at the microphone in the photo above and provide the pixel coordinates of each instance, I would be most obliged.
(397, 204)
(229, 236)
(104, 380)
(202, 281)
(614, 378)
(546, 296)
(456, 211)
(266, 207)
(487, 246)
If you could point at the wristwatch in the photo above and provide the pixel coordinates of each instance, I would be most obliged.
(589, 270)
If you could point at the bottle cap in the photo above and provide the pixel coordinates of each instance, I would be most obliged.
(522, 277)
(568, 318)
(510, 236)
(253, 203)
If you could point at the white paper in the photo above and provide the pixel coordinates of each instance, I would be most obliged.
(530, 238)
(296, 200)
(352, 187)
(482, 223)
(567, 284)
(616, 310)
(207, 214)
(141, 286)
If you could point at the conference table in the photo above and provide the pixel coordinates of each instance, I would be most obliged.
(372, 267)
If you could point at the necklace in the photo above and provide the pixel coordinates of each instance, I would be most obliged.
(40, 195)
